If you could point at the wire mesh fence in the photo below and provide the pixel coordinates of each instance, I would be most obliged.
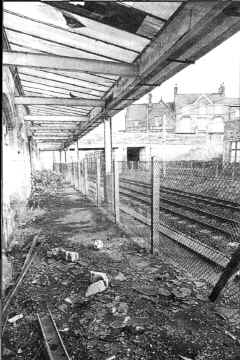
(187, 211)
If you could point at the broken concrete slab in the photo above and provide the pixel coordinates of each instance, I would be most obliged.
(96, 288)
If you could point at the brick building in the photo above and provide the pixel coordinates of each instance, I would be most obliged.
(189, 128)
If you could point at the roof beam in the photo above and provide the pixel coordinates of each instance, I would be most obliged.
(20, 58)
(49, 118)
(36, 100)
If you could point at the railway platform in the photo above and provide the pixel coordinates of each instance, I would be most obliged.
(149, 310)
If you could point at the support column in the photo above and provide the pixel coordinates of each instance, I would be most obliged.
(155, 203)
(78, 169)
(85, 176)
(116, 192)
(98, 181)
(107, 157)
(60, 161)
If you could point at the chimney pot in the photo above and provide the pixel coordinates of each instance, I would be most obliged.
(175, 90)
(149, 99)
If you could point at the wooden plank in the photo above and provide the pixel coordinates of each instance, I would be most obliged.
(37, 100)
(55, 118)
(19, 58)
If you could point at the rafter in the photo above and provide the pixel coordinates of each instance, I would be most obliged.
(37, 100)
(25, 59)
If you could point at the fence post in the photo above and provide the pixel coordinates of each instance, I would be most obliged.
(155, 202)
(98, 182)
(86, 176)
(230, 269)
(116, 191)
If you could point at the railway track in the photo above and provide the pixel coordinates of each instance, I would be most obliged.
(176, 205)
(53, 342)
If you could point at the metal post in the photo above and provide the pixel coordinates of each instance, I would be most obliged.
(107, 156)
(230, 269)
(98, 179)
(86, 176)
(155, 202)
(77, 168)
(116, 191)
(60, 161)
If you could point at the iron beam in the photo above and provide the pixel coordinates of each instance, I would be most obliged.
(20, 58)
(37, 100)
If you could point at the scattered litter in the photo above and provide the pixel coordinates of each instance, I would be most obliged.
(127, 319)
(68, 300)
(96, 288)
(62, 307)
(232, 336)
(120, 277)
(19, 351)
(95, 276)
(120, 309)
(184, 357)
(63, 254)
(98, 245)
(111, 357)
(15, 318)
(65, 329)
(233, 245)
(71, 255)
(164, 292)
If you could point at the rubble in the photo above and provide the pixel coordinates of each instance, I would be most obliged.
(153, 311)
(96, 288)
(15, 318)
(120, 277)
(98, 245)
(63, 254)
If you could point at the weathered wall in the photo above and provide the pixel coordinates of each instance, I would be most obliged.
(16, 156)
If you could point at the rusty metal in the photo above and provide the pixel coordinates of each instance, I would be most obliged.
(53, 342)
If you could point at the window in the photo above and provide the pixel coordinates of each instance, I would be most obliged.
(235, 151)
(216, 125)
(184, 125)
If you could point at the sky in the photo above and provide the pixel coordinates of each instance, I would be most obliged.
(222, 64)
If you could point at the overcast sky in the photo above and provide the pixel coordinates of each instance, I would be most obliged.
(222, 64)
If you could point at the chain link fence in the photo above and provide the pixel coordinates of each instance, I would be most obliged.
(187, 211)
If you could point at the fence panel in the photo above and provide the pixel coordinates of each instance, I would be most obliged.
(188, 211)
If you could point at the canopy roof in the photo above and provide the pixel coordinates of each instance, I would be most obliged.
(117, 34)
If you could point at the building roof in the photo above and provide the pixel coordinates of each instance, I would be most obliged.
(182, 100)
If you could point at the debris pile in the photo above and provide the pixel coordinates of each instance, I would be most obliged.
(45, 183)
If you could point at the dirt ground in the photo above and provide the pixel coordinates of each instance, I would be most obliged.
(150, 309)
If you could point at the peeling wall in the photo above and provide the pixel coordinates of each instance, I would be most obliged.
(18, 151)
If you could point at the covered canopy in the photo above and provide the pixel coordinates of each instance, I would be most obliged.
(80, 60)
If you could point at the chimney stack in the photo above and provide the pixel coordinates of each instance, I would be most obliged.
(175, 90)
(221, 89)
(150, 99)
